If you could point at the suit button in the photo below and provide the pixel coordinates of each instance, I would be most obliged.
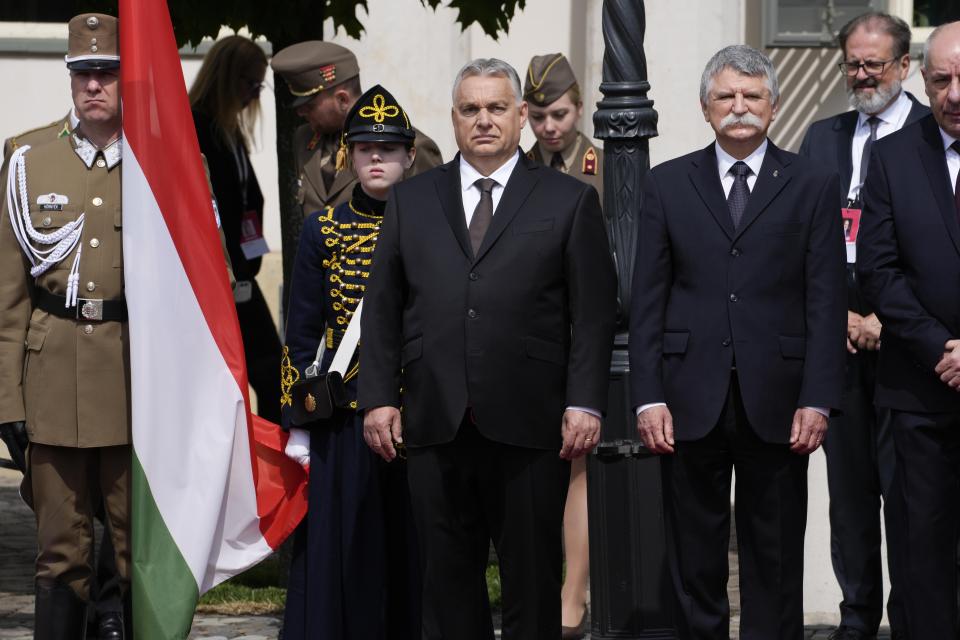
(94, 243)
(474, 276)
(91, 285)
(471, 313)
(46, 221)
(733, 297)
(726, 342)
(97, 201)
(735, 252)
(88, 329)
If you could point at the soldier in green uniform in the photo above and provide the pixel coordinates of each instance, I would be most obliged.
(105, 613)
(553, 95)
(555, 107)
(64, 360)
(324, 79)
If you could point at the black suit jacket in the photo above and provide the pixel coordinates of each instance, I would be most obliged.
(829, 143)
(229, 192)
(517, 333)
(908, 262)
(768, 297)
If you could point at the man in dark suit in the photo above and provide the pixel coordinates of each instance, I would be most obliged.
(736, 350)
(909, 270)
(492, 303)
(859, 446)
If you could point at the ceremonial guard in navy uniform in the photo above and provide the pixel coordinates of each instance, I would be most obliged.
(64, 361)
(324, 79)
(553, 95)
(355, 570)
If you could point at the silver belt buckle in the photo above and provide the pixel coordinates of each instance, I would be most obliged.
(90, 309)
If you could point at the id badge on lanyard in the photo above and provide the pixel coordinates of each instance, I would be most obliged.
(851, 226)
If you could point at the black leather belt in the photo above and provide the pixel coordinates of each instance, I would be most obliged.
(87, 309)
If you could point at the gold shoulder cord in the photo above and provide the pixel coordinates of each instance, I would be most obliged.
(288, 377)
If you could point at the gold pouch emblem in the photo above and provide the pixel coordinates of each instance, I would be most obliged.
(310, 403)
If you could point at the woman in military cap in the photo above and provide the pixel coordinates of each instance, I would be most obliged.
(355, 571)
(553, 95)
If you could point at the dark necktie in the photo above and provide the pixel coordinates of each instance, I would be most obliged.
(956, 187)
(556, 162)
(739, 192)
(483, 214)
(328, 166)
(874, 122)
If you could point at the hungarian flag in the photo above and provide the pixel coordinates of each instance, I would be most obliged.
(212, 492)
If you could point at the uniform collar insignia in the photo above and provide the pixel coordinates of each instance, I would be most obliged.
(87, 151)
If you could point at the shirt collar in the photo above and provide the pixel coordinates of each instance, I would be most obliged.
(893, 114)
(469, 175)
(754, 160)
(569, 154)
(87, 151)
(947, 139)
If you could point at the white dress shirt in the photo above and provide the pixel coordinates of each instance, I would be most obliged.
(953, 158)
(891, 121)
(724, 163)
(470, 192)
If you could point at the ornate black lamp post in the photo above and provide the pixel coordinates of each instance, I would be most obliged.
(630, 591)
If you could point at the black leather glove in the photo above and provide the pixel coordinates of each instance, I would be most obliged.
(14, 435)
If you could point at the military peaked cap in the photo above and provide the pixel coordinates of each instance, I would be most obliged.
(93, 43)
(312, 66)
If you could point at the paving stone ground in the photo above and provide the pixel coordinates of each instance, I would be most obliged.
(18, 548)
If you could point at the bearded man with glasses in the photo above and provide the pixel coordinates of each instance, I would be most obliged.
(859, 445)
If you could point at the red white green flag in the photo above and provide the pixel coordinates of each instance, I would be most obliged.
(212, 492)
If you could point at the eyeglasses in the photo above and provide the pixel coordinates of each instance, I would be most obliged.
(870, 67)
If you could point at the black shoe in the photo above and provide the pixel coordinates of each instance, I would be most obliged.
(110, 626)
(577, 632)
(844, 632)
(59, 614)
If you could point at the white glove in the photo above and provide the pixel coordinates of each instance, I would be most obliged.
(298, 447)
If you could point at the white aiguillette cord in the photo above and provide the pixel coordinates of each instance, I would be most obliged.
(344, 354)
(61, 241)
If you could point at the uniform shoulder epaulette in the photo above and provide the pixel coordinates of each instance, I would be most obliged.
(65, 130)
(589, 162)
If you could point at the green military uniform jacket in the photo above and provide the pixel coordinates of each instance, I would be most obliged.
(69, 379)
(316, 152)
(581, 160)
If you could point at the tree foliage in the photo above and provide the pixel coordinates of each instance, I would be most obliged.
(286, 21)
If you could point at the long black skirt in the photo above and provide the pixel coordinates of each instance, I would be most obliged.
(355, 572)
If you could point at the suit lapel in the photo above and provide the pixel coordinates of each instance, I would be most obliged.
(845, 126)
(706, 180)
(772, 179)
(935, 166)
(451, 200)
(521, 182)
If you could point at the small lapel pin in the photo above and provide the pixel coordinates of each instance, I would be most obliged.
(776, 172)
